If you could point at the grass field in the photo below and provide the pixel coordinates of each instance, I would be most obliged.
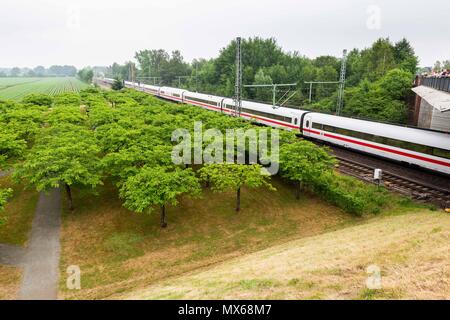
(120, 251)
(17, 88)
(9, 282)
(410, 250)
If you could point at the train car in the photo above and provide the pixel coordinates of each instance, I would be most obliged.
(173, 94)
(279, 117)
(106, 81)
(131, 85)
(153, 90)
(424, 148)
(203, 100)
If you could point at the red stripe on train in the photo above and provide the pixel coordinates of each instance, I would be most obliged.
(365, 144)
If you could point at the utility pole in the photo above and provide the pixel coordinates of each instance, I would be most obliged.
(341, 82)
(132, 73)
(238, 81)
(196, 77)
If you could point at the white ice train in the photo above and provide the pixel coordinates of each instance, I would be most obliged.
(420, 147)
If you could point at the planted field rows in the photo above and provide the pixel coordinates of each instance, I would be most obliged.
(17, 88)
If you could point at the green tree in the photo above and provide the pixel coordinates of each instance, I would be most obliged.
(86, 75)
(437, 66)
(304, 163)
(15, 72)
(396, 83)
(117, 84)
(64, 155)
(232, 177)
(158, 186)
(11, 146)
(262, 94)
(379, 59)
(446, 64)
(405, 56)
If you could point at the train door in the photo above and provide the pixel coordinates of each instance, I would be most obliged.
(307, 123)
(221, 104)
(295, 120)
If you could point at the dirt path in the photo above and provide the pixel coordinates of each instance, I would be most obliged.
(41, 260)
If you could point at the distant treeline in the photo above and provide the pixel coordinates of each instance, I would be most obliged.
(378, 78)
(39, 71)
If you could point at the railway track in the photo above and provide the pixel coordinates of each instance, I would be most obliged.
(417, 190)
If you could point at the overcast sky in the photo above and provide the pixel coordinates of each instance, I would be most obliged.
(99, 32)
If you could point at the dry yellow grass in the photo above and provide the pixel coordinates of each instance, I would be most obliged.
(9, 282)
(412, 251)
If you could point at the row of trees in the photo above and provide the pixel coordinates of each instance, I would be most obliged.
(441, 65)
(126, 137)
(86, 75)
(264, 62)
(40, 71)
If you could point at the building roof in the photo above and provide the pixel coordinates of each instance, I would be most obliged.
(436, 98)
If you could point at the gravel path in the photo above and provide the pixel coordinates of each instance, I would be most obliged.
(41, 260)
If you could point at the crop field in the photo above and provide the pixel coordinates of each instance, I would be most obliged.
(17, 88)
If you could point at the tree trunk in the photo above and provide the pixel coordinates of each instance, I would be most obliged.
(163, 217)
(69, 196)
(238, 199)
(299, 188)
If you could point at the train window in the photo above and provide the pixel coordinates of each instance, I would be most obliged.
(267, 115)
(441, 153)
(176, 95)
(307, 124)
(295, 120)
(317, 126)
(201, 100)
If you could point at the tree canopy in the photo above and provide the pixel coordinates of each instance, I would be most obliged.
(64, 155)
(304, 163)
(158, 186)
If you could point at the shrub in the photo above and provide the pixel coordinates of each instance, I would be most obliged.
(38, 99)
(351, 195)
(117, 85)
